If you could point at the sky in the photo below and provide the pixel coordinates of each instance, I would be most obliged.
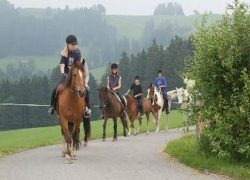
(129, 7)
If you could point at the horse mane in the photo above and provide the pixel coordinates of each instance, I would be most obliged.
(78, 65)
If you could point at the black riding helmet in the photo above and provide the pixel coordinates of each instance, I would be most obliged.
(71, 39)
(159, 71)
(137, 78)
(114, 66)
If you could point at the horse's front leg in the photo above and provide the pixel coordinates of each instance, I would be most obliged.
(131, 125)
(115, 129)
(167, 123)
(104, 129)
(158, 120)
(67, 138)
(147, 115)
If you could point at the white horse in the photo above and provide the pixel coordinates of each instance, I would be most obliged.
(157, 102)
(184, 99)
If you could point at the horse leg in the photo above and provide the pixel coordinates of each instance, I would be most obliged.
(166, 123)
(131, 125)
(76, 137)
(124, 125)
(67, 138)
(87, 129)
(139, 125)
(104, 129)
(147, 115)
(158, 123)
(115, 129)
(64, 145)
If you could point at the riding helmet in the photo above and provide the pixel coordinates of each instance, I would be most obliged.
(159, 71)
(137, 77)
(71, 39)
(114, 66)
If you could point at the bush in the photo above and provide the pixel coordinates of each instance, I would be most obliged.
(221, 69)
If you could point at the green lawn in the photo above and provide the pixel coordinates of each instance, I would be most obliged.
(187, 151)
(19, 140)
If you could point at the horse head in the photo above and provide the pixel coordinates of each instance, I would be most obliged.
(104, 99)
(76, 79)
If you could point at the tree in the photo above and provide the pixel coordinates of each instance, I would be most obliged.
(220, 67)
(171, 9)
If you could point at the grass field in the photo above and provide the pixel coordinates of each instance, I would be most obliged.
(186, 150)
(19, 140)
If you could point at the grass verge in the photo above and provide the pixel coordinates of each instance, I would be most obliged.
(187, 151)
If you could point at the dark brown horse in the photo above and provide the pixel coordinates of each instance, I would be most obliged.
(132, 111)
(71, 107)
(111, 107)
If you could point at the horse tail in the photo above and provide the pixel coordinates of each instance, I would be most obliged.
(87, 127)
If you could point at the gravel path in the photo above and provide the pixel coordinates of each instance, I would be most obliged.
(136, 157)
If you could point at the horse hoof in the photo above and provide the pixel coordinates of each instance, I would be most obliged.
(84, 144)
(63, 154)
(115, 139)
(68, 159)
(147, 133)
(104, 139)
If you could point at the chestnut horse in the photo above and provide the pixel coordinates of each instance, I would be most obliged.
(71, 107)
(132, 111)
(111, 107)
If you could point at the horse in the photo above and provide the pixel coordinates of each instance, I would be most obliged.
(133, 114)
(185, 100)
(157, 103)
(111, 107)
(70, 108)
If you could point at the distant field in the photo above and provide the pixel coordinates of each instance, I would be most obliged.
(127, 26)
(44, 63)
(98, 72)
(19, 140)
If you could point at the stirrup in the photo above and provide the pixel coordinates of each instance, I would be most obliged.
(51, 110)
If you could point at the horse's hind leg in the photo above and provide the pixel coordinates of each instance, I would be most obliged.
(104, 130)
(115, 129)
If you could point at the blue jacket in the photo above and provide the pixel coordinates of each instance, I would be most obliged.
(161, 81)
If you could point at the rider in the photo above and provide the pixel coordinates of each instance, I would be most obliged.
(161, 83)
(69, 54)
(137, 93)
(114, 82)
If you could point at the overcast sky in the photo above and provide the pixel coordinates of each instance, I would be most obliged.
(129, 7)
